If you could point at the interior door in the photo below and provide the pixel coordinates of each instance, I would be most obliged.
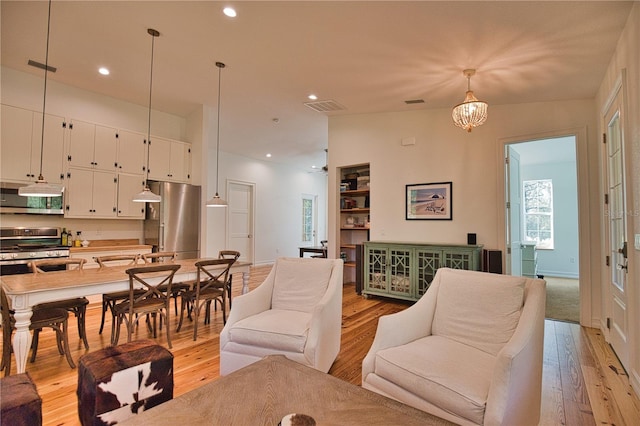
(617, 230)
(240, 217)
(513, 214)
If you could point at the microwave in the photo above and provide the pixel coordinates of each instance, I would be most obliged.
(11, 202)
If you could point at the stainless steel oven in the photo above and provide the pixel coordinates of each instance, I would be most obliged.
(20, 245)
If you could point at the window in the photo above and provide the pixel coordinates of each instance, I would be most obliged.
(538, 212)
(307, 220)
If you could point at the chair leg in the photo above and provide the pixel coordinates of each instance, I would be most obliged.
(183, 303)
(196, 313)
(167, 314)
(105, 306)
(34, 344)
(82, 329)
(65, 342)
(115, 330)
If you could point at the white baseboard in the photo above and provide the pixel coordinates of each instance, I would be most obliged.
(559, 274)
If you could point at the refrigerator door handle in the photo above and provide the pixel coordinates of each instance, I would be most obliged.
(161, 240)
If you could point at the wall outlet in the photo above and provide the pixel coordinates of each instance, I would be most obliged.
(637, 242)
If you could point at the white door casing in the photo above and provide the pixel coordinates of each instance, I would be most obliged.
(514, 212)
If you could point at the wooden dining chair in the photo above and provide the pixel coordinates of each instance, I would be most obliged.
(109, 300)
(229, 254)
(152, 301)
(210, 285)
(76, 305)
(54, 318)
(163, 257)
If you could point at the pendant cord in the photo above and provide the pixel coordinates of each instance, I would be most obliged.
(218, 131)
(44, 97)
(153, 39)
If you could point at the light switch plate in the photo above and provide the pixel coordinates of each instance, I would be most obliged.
(637, 242)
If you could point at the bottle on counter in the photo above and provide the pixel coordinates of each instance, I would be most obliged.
(64, 237)
(78, 240)
(69, 238)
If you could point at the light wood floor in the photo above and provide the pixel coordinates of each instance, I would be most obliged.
(583, 382)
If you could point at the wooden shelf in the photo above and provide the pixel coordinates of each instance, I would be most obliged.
(348, 246)
(355, 192)
(357, 210)
(350, 264)
(355, 228)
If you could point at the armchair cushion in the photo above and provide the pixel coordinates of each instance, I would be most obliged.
(452, 375)
(299, 285)
(275, 329)
(462, 312)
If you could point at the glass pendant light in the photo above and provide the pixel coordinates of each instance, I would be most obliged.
(41, 188)
(216, 201)
(146, 196)
(472, 112)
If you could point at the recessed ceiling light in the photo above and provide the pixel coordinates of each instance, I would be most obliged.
(103, 71)
(268, 155)
(312, 97)
(230, 12)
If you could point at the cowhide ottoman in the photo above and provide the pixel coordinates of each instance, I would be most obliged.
(118, 382)
(20, 404)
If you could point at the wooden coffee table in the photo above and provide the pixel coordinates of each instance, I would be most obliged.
(264, 392)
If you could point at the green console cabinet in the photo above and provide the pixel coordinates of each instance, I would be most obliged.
(405, 270)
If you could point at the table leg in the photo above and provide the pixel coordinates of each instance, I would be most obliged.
(22, 338)
(245, 282)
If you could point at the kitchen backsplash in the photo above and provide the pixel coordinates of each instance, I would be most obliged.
(92, 229)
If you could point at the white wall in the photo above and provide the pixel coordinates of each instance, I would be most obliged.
(627, 57)
(278, 207)
(473, 162)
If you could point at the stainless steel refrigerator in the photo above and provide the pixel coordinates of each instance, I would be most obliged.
(173, 224)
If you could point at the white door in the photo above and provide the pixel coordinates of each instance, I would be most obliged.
(240, 218)
(617, 230)
(513, 214)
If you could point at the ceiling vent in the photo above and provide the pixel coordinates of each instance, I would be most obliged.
(414, 101)
(325, 106)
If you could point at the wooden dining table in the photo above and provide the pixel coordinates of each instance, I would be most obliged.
(27, 290)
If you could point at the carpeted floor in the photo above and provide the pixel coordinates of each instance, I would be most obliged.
(563, 299)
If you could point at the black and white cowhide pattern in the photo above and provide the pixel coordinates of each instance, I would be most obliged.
(133, 390)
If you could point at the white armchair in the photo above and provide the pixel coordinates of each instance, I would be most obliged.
(469, 351)
(296, 312)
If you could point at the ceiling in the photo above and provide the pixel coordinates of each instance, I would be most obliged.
(368, 56)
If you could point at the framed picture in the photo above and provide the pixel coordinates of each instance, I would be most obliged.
(429, 201)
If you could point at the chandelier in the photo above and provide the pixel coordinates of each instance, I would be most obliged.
(471, 112)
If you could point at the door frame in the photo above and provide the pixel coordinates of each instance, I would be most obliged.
(252, 213)
(584, 203)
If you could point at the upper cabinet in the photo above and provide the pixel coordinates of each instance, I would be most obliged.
(169, 160)
(92, 146)
(131, 152)
(21, 141)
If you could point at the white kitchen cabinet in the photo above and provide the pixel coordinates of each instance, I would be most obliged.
(91, 194)
(21, 141)
(128, 186)
(92, 146)
(169, 160)
(132, 152)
